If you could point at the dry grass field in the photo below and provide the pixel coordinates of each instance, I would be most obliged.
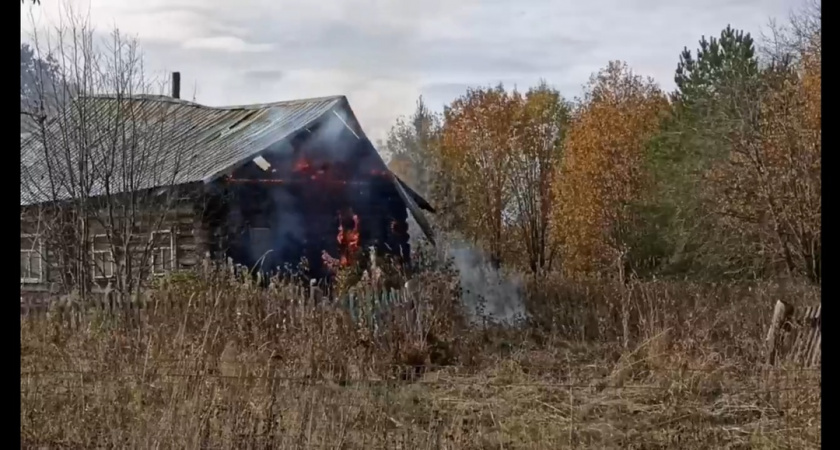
(212, 362)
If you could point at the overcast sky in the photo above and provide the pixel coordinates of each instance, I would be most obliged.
(383, 54)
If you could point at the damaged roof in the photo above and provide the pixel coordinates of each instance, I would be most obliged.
(162, 141)
(168, 141)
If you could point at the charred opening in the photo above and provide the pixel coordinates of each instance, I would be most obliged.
(324, 195)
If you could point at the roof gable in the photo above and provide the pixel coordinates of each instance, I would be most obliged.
(160, 141)
(166, 141)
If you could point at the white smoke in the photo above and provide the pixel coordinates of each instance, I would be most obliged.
(489, 294)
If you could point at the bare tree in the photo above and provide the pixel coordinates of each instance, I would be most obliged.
(98, 170)
(410, 147)
(36, 74)
(802, 33)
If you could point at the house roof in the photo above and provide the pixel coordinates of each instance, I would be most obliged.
(175, 141)
(161, 141)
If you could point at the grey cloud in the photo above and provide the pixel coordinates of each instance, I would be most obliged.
(438, 94)
(489, 42)
(206, 12)
(386, 53)
(264, 75)
(263, 80)
(397, 53)
(394, 52)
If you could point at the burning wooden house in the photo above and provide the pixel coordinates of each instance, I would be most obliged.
(263, 185)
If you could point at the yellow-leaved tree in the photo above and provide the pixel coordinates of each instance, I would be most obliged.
(477, 145)
(543, 120)
(601, 172)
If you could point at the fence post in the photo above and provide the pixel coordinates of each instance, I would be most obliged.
(312, 293)
(72, 313)
(351, 304)
(781, 312)
(372, 301)
(411, 299)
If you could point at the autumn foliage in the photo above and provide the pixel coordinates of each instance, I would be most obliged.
(476, 147)
(719, 179)
(499, 151)
(601, 173)
(769, 189)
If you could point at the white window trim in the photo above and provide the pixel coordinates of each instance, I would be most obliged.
(39, 251)
(156, 248)
(94, 252)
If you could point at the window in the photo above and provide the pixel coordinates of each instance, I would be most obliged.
(103, 263)
(103, 258)
(31, 261)
(163, 252)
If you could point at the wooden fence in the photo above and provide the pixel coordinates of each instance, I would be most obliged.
(795, 335)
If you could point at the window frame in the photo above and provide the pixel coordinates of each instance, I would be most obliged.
(112, 263)
(155, 249)
(38, 249)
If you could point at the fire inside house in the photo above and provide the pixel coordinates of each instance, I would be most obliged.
(324, 196)
(272, 184)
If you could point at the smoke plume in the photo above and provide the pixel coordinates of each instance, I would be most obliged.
(489, 294)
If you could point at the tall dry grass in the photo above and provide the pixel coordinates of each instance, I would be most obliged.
(215, 362)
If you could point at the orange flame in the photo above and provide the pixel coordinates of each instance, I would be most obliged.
(348, 241)
(301, 165)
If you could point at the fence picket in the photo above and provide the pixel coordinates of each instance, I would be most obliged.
(795, 337)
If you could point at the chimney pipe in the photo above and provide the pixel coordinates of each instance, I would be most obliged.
(176, 84)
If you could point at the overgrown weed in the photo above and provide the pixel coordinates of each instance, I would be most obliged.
(215, 361)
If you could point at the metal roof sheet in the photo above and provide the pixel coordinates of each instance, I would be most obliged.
(162, 141)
